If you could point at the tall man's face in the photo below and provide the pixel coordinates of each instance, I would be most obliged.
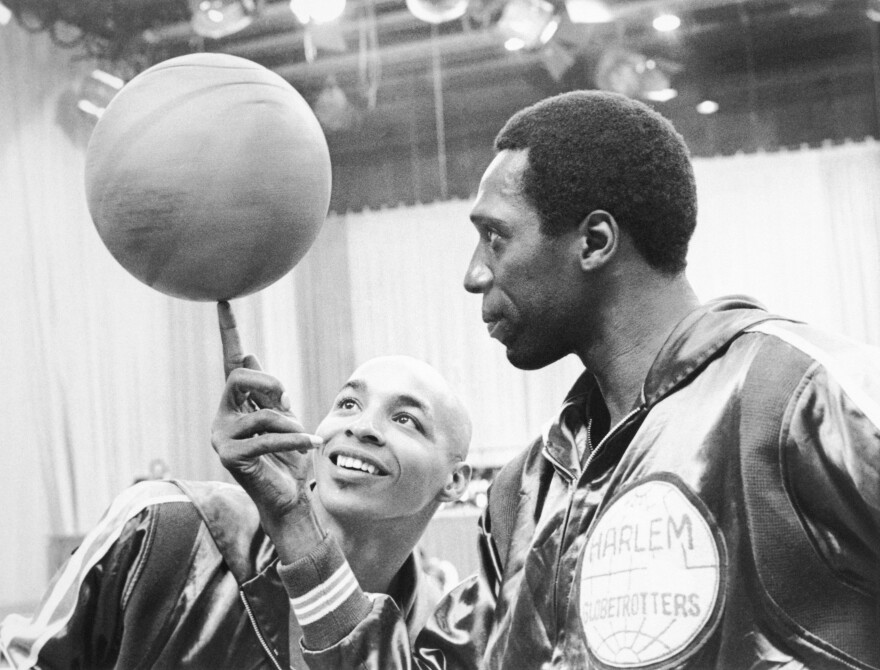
(529, 280)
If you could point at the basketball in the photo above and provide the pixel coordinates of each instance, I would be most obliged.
(208, 177)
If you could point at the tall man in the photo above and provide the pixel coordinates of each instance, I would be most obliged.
(708, 495)
(181, 575)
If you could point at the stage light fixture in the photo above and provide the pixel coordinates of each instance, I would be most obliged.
(96, 91)
(334, 110)
(660, 94)
(527, 24)
(666, 23)
(219, 18)
(317, 11)
(437, 11)
(634, 75)
(588, 11)
(707, 107)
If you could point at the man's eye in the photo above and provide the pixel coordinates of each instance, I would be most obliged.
(346, 403)
(408, 419)
(491, 235)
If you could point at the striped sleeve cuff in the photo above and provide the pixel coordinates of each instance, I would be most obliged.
(324, 595)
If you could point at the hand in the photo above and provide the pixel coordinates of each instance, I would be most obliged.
(259, 441)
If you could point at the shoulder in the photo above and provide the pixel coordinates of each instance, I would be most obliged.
(508, 481)
(834, 367)
(147, 496)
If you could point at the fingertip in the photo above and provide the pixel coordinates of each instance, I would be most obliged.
(285, 402)
(225, 315)
(317, 440)
(251, 362)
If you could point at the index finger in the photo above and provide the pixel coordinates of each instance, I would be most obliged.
(233, 357)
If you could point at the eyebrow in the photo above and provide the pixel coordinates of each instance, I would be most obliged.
(482, 220)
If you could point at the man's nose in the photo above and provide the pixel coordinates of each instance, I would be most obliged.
(366, 429)
(478, 277)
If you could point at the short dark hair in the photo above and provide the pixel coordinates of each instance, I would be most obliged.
(591, 150)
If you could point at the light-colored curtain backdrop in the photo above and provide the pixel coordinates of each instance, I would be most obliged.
(99, 374)
(799, 230)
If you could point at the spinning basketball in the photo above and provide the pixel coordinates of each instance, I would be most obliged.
(208, 177)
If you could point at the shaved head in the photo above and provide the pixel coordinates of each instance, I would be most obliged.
(452, 416)
(395, 444)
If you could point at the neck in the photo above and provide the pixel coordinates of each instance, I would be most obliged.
(375, 550)
(628, 337)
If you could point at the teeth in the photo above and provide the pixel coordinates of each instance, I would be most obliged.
(352, 463)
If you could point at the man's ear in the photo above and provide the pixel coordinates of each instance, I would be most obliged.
(456, 483)
(598, 239)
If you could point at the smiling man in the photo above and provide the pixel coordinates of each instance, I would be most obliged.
(182, 575)
(389, 452)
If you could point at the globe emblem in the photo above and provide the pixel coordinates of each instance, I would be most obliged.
(650, 576)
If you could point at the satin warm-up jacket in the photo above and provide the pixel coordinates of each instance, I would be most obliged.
(730, 521)
(176, 575)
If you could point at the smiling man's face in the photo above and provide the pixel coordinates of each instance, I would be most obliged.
(393, 442)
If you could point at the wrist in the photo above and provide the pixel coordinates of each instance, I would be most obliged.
(295, 534)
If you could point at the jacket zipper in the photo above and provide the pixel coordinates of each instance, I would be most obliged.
(572, 486)
(250, 613)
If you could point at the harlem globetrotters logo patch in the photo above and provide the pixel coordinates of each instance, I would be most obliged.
(651, 576)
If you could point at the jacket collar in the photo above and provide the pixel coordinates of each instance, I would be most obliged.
(697, 339)
(234, 524)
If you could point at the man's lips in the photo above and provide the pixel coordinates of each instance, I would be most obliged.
(356, 461)
(497, 327)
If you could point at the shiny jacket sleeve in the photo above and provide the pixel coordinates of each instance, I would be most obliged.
(343, 627)
(79, 622)
(831, 454)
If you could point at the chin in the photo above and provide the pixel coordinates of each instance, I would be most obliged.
(343, 504)
(531, 359)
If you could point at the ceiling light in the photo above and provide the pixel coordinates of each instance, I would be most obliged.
(872, 11)
(5, 14)
(317, 11)
(666, 23)
(96, 91)
(707, 107)
(333, 109)
(437, 11)
(219, 18)
(634, 75)
(660, 94)
(588, 11)
(527, 24)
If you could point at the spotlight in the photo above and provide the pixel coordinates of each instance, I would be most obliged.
(660, 94)
(437, 11)
(219, 18)
(317, 11)
(666, 23)
(634, 75)
(527, 24)
(588, 11)
(557, 59)
(334, 110)
(707, 107)
(96, 91)
(5, 14)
